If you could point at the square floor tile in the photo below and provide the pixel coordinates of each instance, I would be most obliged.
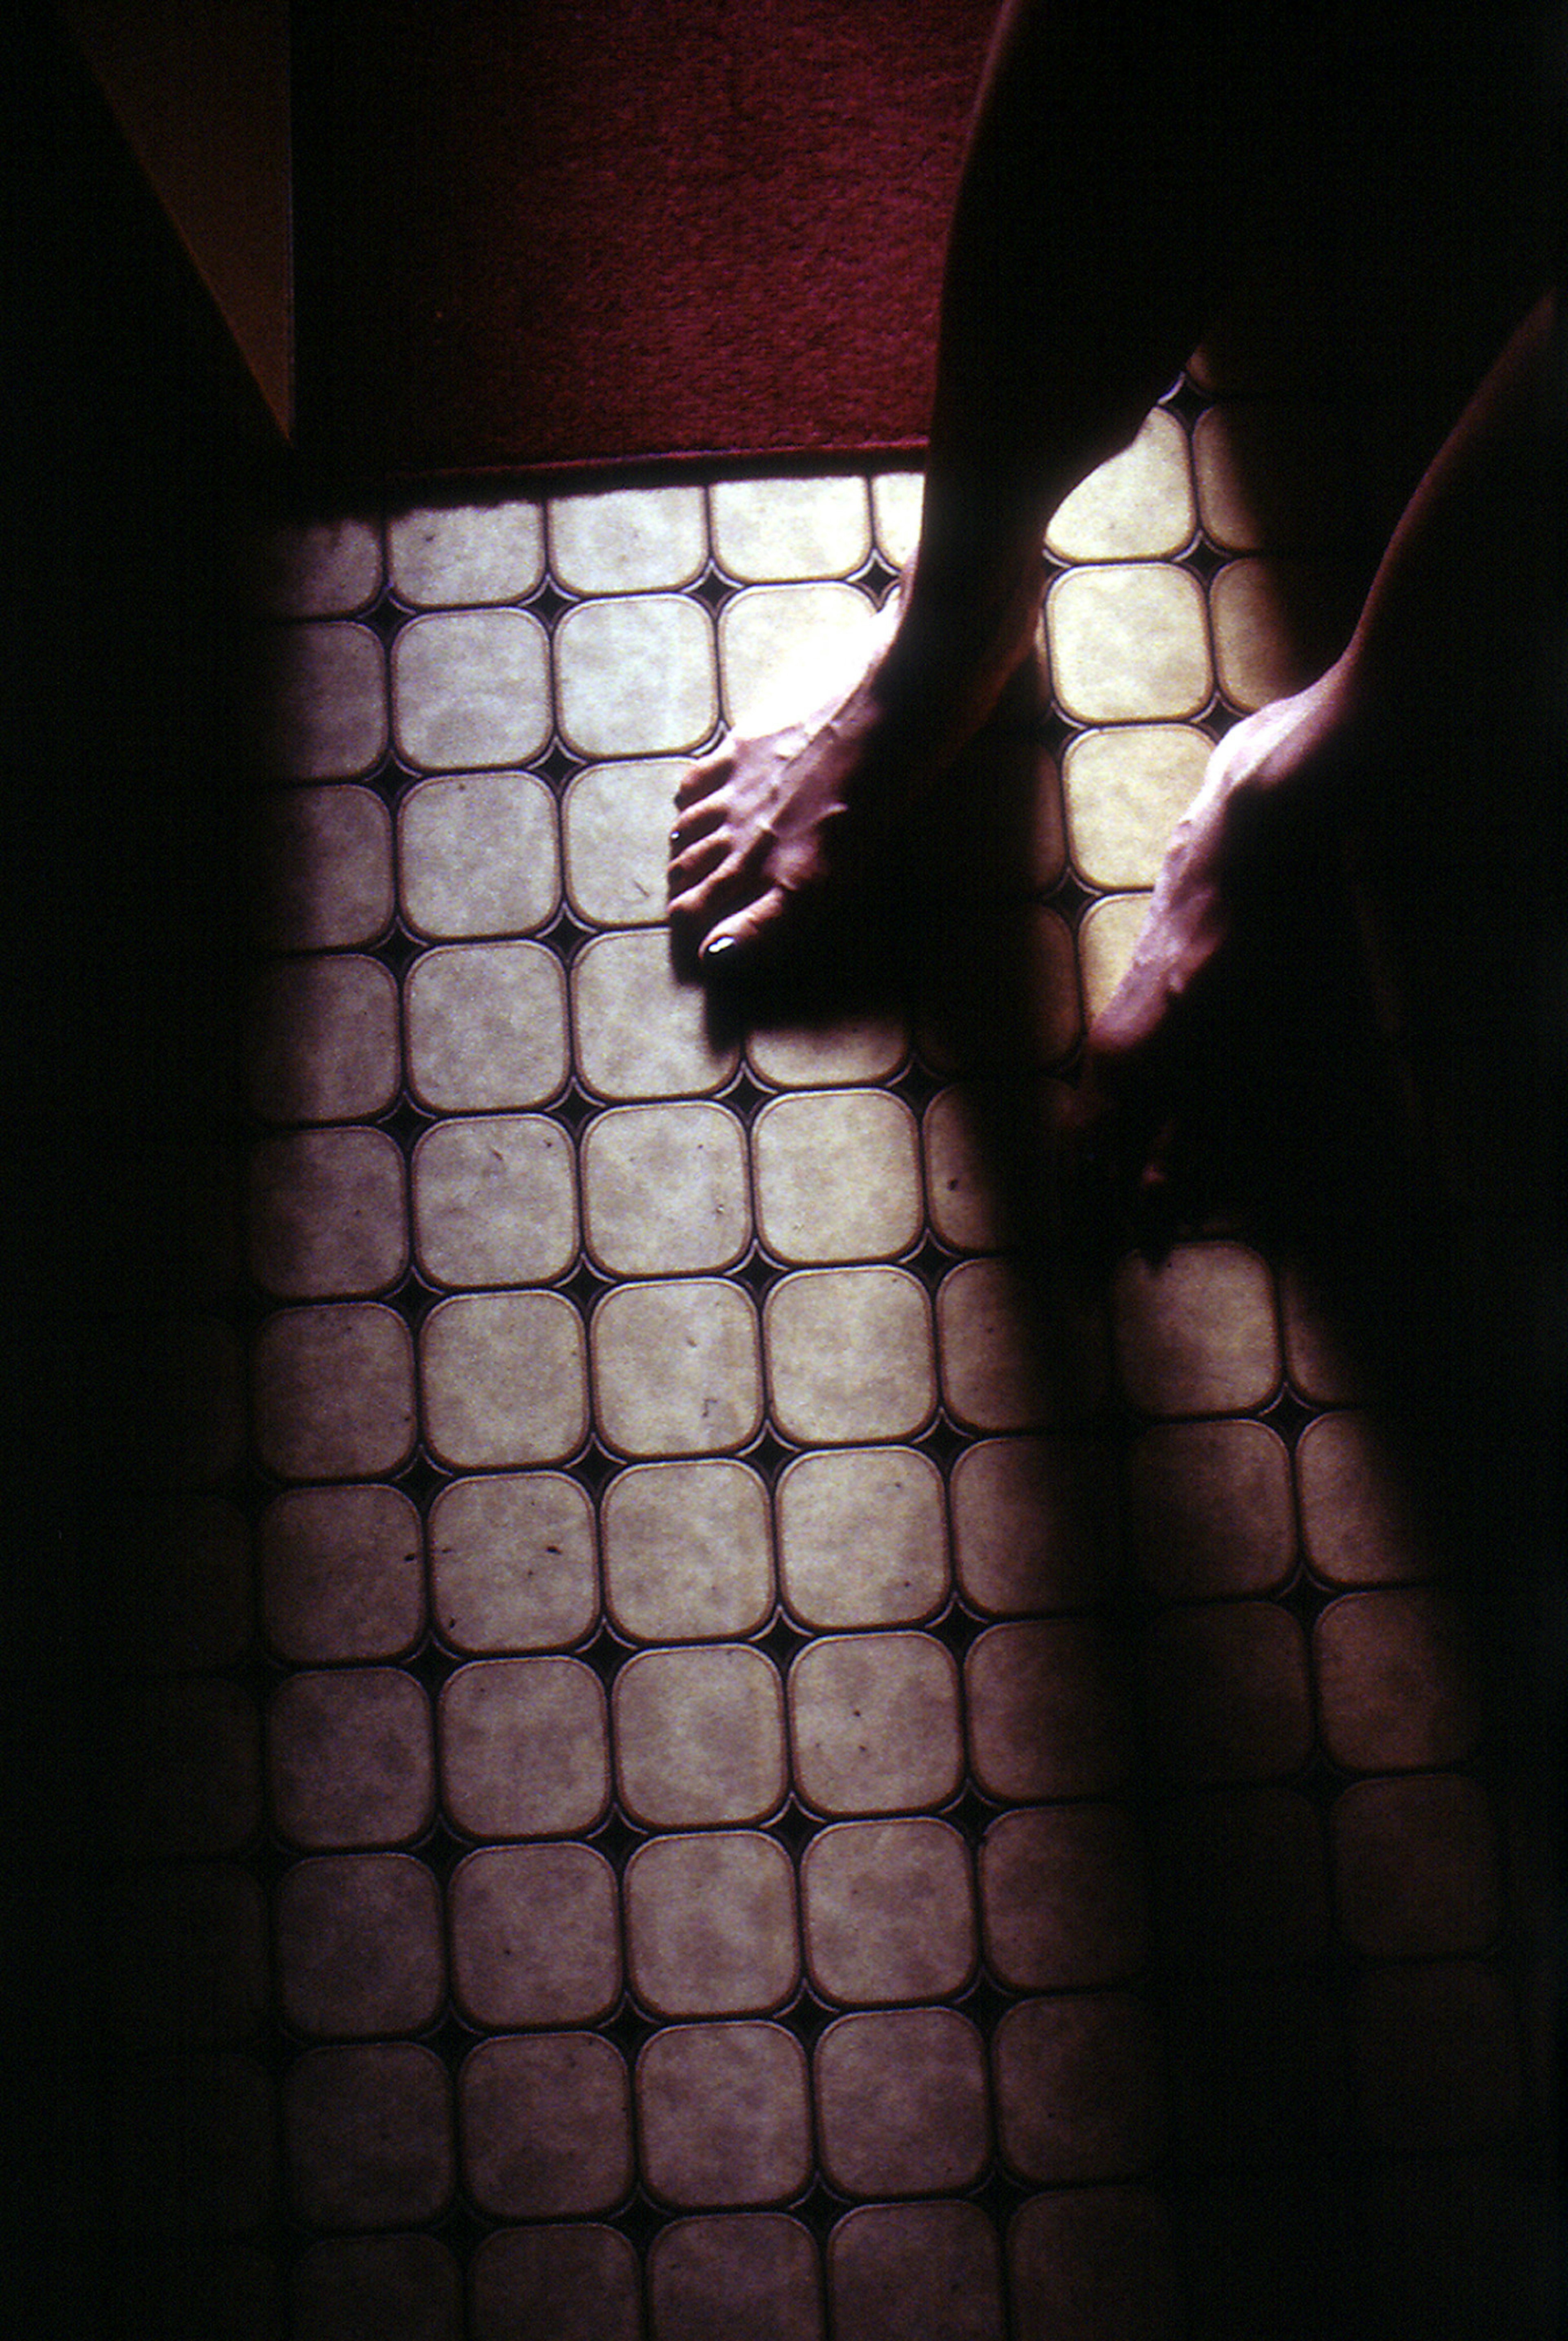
(1139, 503)
(960, 1186)
(545, 2125)
(349, 1761)
(368, 2135)
(322, 1042)
(535, 1936)
(873, 1723)
(888, 1910)
(627, 540)
(1277, 624)
(470, 689)
(837, 1176)
(699, 1737)
(1197, 1335)
(635, 675)
(319, 568)
(615, 822)
(360, 1949)
(723, 2116)
(1229, 1695)
(1047, 1710)
(513, 1565)
(775, 529)
(785, 647)
(849, 1354)
(688, 1551)
(332, 1390)
(444, 555)
(1063, 1899)
(1357, 1521)
(665, 1188)
(902, 2102)
(495, 1201)
(753, 2272)
(1125, 791)
(865, 1048)
(1078, 2088)
(992, 1377)
(578, 2283)
(1415, 1867)
(1106, 936)
(524, 1747)
(504, 1380)
(896, 501)
(1095, 2260)
(487, 1026)
(1394, 1686)
(900, 2268)
(324, 876)
(327, 1215)
(639, 1033)
(862, 1538)
(1209, 1508)
(326, 699)
(478, 855)
(1128, 642)
(677, 1369)
(1030, 1524)
(711, 1924)
(408, 2284)
(342, 1574)
(1273, 475)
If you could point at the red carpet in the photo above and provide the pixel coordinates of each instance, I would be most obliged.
(536, 234)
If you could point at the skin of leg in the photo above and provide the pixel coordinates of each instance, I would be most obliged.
(1083, 226)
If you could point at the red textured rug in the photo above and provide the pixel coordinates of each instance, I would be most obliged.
(535, 234)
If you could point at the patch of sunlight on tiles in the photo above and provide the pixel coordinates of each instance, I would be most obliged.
(777, 529)
(688, 1550)
(1110, 929)
(862, 1538)
(837, 1176)
(627, 540)
(896, 500)
(1125, 791)
(471, 688)
(1128, 642)
(504, 1379)
(677, 1369)
(512, 1562)
(849, 1354)
(665, 1188)
(319, 569)
(495, 1201)
(445, 554)
(326, 697)
(639, 1032)
(478, 855)
(785, 649)
(615, 836)
(1138, 506)
(325, 856)
(487, 1026)
(634, 675)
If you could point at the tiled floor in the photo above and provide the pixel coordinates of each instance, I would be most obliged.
(727, 1820)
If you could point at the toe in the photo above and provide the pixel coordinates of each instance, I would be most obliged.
(745, 938)
(700, 780)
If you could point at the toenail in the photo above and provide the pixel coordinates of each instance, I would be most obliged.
(674, 836)
(718, 949)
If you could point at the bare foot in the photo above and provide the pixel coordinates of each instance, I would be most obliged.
(771, 825)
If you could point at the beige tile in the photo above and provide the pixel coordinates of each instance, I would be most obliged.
(350, 1761)
(478, 855)
(1229, 1698)
(817, 1056)
(862, 1538)
(1197, 1335)
(1277, 623)
(960, 1185)
(326, 693)
(785, 648)
(1316, 1351)
(1358, 1523)
(900, 2268)
(1415, 1867)
(677, 1369)
(194, 1786)
(688, 1551)
(1209, 1510)
(1063, 1899)
(191, 1967)
(635, 676)
(470, 689)
(1128, 643)
(772, 529)
(545, 2125)
(319, 568)
(875, 1723)
(1044, 951)
(327, 1215)
(1125, 791)
(1435, 2057)
(360, 1946)
(1095, 2260)
(342, 1574)
(324, 1041)
(1106, 935)
(887, 1910)
(487, 1026)
(849, 1353)
(665, 1188)
(1078, 2094)
(837, 1176)
(444, 555)
(751, 2272)
(535, 1936)
(896, 498)
(1030, 1525)
(1394, 1688)
(408, 2284)
(1138, 504)
(627, 540)
(324, 875)
(1243, 1880)
(495, 1201)
(990, 1378)
(578, 2283)
(616, 841)
(332, 1392)
(504, 1380)
(711, 1926)
(1047, 1710)
(512, 1562)
(902, 2103)
(639, 1033)
(724, 2116)
(699, 1737)
(524, 1747)
(367, 2133)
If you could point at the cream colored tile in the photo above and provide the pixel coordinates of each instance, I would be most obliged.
(1063, 1897)
(445, 554)
(627, 540)
(545, 2125)
(666, 1190)
(723, 2115)
(961, 1193)
(902, 2102)
(1125, 791)
(323, 1043)
(1358, 1520)
(332, 1392)
(1101, 2257)
(359, 1946)
(578, 2283)
(887, 1910)
(676, 1368)
(874, 1723)
(1031, 1525)
(849, 1353)
(1277, 624)
(1128, 642)
(1078, 2093)
(367, 2133)
(688, 1551)
(639, 1032)
(862, 1538)
(324, 876)
(931, 2268)
(1229, 1698)
(1198, 1334)
(495, 1201)
(320, 568)
(349, 1758)
(711, 1925)
(766, 529)
(896, 498)
(837, 1176)
(1138, 504)
(342, 1574)
(478, 856)
(751, 2272)
(535, 1936)
(327, 1215)
(817, 1056)
(1047, 1710)
(699, 1737)
(1394, 1684)
(615, 833)
(783, 648)
(326, 702)
(504, 1380)
(990, 1377)
(470, 689)
(1210, 1511)
(513, 1563)
(1106, 937)
(487, 1026)
(524, 1747)
(635, 675)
